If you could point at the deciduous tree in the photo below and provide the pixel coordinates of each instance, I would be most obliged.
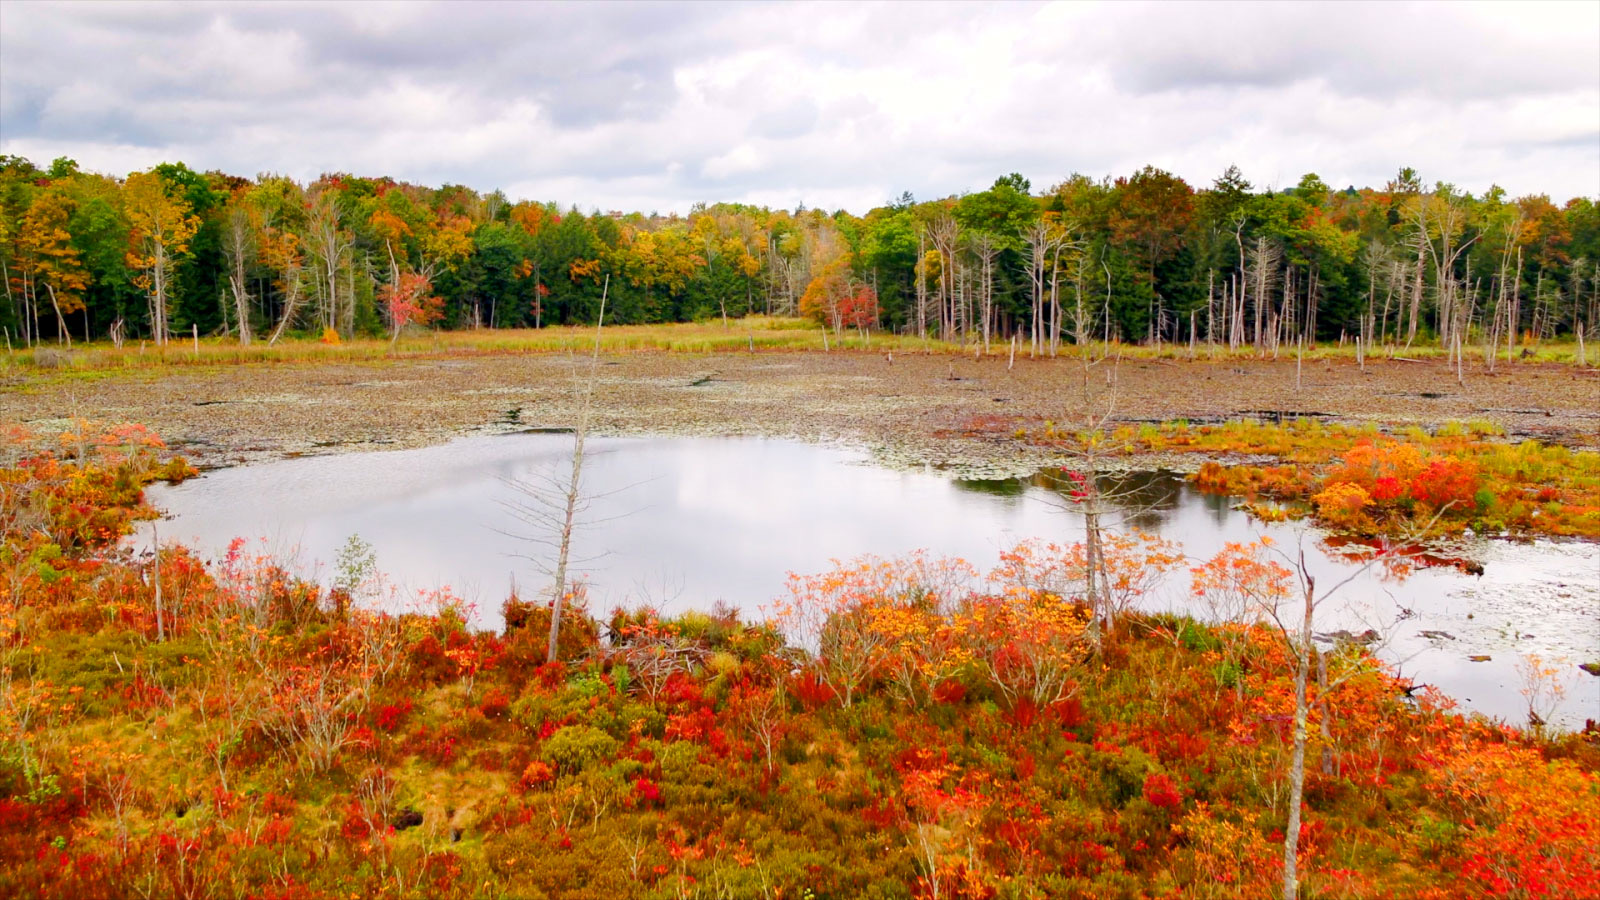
(162, 226)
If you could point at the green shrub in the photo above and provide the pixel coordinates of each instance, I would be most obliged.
(575, 747)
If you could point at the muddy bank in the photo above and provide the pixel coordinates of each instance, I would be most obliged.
(912, 410)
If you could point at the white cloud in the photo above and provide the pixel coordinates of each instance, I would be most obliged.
(652, 106)
(738, 161)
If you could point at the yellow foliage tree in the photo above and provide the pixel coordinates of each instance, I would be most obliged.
(48, 259)
(162, 227)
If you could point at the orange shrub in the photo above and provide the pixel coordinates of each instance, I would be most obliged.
(1343, 505)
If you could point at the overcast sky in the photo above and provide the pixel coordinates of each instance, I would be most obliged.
(656, 106)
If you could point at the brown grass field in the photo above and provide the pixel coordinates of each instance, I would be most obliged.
(915, 403)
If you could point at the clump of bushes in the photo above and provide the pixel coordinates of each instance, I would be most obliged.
(906, 729)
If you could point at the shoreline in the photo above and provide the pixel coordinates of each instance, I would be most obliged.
(919, 410)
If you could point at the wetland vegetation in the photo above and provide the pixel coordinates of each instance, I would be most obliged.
(896, 727)
(198, 718)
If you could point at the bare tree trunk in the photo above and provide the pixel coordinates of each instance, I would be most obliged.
(1297, 765)
(237, 243)
(348, 322)
(1364, 333)
(558, 593)
(1537, 325)
(1327, 714)
(1035, 238)
(922, 283)
(1107, 309)
(328, 245)
(161, 625)
(158, 320)
(5, 277)
(1516, 309)
(987, 251)
(394, 285)
(1211, 313)
(1416, 300)
(61, 321)
(1055, 298)
(291, 303)
(944, 233)
(1263, 262)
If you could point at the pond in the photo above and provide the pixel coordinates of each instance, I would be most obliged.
(683, 523)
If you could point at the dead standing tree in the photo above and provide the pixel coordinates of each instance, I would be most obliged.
(1090, 493)
(1045, 240)
(330, 245)
(986, 250)
(554, 509)
(1261, 263)
(945, 233)
(239, 242)
(1299, 639)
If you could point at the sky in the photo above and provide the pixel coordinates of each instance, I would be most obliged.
(655, 107)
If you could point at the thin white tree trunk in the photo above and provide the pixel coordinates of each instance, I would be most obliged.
(574, 483)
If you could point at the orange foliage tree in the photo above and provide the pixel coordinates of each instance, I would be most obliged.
(48, 259)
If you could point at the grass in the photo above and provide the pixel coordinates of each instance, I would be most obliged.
(762, 333)
(1527, 486)
(756, 332)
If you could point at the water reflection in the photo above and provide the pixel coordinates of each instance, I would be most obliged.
(1142, 500)
(995, 487)
(684, 523)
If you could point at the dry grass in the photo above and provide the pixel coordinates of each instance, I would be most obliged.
(934, 407)
(752, 333)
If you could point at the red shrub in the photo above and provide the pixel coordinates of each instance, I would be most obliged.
(1023, 714)
(276, 831)
(950, 691)
(496, 705)
(390, 717)
(437, 747)
(683, 690)
(277, 804)
(1161, 791)
(1068, 713)
(694, 726)
(1026, 767)
(814, 693)
(355, 827)
(1387, 489)
(918, 758)
(882, 813)
(362, 738)
(552, 674)
(445, 867)
(646, 792)
(1020, 833)
(428, 659)
(1448, 480)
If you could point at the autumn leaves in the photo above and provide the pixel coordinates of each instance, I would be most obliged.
(919, 622)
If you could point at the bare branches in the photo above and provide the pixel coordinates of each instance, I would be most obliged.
(554, 508)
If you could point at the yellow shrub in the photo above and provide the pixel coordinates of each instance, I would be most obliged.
(1343, 504)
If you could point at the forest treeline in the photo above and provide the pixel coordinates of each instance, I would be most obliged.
(1145, 258)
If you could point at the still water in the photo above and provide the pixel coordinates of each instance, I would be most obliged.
(682, 523)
